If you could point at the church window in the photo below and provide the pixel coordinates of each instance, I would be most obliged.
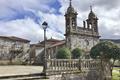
(87, 42)
(73, 22)
(90, 26)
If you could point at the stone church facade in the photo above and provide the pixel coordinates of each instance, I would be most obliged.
(83, 37)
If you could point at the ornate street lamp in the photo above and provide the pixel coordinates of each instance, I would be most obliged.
(45, 26)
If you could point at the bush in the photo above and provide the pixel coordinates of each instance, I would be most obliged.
(76, 53)
(63, 53)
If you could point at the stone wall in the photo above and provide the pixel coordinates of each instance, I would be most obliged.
(11, 49)
(90, 75)
(74, 69)
(83, 42)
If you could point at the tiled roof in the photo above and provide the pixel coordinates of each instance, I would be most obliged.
(36, 45)
(57, 44)
(51, 41)
(13, 38)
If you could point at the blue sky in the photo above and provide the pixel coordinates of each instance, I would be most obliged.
(23, 18)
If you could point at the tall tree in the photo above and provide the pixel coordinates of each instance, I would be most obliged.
(107, 51)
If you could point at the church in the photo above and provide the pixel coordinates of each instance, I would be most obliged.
(84, 37)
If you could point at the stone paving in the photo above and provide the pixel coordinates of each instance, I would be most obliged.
(19, 70)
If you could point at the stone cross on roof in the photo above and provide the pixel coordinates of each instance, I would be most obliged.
(70, 2)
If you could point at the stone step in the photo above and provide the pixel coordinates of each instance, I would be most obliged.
(24, 77)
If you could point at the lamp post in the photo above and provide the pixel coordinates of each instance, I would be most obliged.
(45, 26)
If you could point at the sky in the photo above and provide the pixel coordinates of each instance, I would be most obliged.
(24, 18)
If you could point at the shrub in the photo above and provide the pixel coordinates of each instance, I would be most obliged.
(63, 53)
(76, 53)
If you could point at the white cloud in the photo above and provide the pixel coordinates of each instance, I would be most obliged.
(56, 22)
(11, 8)
(27, 28)
(24, 28)
(107, 12)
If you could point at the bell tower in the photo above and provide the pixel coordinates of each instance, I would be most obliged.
(71, 18)
(71, 23)
(92, 21)
(84, 37)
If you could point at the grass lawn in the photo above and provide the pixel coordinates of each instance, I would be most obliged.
(116, 74)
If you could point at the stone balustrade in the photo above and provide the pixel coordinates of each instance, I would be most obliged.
(59, 66)
(89, 64)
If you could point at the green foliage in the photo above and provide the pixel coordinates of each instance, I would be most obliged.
(115, 53)
(76, 53)
(63, 53)
(106, 50)
(116, 74)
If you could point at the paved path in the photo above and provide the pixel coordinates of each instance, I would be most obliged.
(19, 70)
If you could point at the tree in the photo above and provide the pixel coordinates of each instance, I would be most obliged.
(63, 53)
(76, 53)
(106, 51)
(115, 53)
